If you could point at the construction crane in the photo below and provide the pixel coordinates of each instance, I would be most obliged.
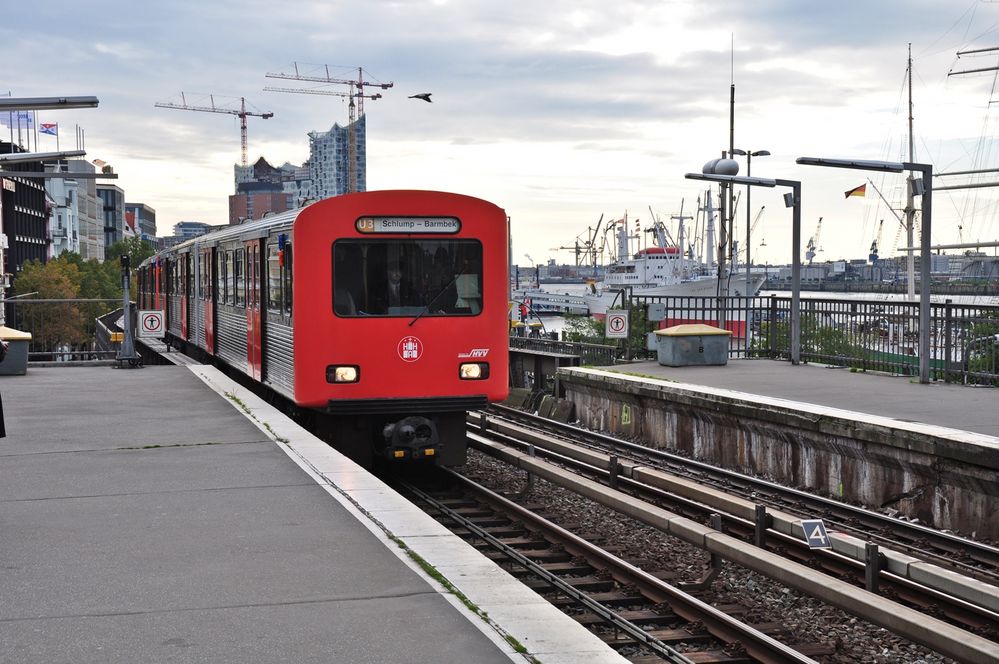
(355, 110)
(813, 243)
(873, 256)
(241, 113)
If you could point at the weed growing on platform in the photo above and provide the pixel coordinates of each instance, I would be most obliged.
(239, 402)
(450, 587)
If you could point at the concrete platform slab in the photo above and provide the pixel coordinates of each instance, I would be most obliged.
(144, 517)
(165, 514)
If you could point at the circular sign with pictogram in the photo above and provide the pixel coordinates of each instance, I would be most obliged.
(150, 324)
(616, 324)
(410, 349)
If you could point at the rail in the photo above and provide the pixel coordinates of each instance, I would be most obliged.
(590, 354)
(875, 335)
(64, 329)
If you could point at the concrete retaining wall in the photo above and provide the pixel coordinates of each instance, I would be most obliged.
(943, 477)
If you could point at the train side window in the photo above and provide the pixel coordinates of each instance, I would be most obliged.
(230, 279)
(200, 285)
(220, 276)
(286, 277)
(206, 276)
(240, 282)
(274, 300)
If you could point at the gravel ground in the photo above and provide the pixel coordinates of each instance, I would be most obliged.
(805, 619)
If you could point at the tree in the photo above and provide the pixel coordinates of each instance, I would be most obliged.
(982, 350)
(583, 329)
(57, 323)
(137, 249)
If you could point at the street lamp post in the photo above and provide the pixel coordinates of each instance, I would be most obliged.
(793, 201)
(747, 289)
(923, 187)
(749, 154)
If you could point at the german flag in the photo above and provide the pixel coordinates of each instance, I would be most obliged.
(857, 191)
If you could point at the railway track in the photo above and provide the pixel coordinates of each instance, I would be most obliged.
(967, 557)
(609, 461)
(634, 611)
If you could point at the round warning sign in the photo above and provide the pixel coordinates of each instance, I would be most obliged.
(150, 324)
(410, 349)
(616, 325)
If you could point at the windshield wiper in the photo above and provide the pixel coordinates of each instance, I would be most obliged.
(434, 299)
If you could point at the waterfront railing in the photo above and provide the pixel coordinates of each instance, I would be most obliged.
(864, 335)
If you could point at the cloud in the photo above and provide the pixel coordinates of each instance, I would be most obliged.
(557, 110)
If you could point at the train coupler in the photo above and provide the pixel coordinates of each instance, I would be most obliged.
(411, 438)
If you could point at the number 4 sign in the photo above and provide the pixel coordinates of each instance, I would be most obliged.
(815, 534)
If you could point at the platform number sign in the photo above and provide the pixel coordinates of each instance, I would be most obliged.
(616, 324)
(815, 534)
(150, 325)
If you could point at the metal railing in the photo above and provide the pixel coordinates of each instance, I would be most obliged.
(62, 330)
(866, 335)
(590, 354)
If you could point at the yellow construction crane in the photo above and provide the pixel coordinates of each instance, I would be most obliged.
(355, 111)
(240, 112)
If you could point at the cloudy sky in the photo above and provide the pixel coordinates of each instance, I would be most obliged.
(560, 112)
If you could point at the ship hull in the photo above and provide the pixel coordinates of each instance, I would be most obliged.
(599, 302)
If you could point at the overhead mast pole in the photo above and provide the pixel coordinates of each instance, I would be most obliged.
(910, 206)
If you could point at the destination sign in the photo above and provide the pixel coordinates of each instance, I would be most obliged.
(408, 225)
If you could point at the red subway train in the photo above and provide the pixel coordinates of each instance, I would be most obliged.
(382, 316)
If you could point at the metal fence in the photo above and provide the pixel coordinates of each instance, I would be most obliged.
(62, 330)
(866, 335)
(590, 354)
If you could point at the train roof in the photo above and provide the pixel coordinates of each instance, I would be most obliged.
(254, 228)
(261, 227)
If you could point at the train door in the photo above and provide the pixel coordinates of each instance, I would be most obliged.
(185, 293)
(254, 331)
(159, 302)
(209, 294)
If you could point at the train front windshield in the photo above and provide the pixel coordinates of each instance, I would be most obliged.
(407, 277)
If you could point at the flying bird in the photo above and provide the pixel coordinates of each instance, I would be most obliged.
(425, 96)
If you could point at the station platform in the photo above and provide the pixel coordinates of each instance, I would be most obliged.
(902, 398)
(166, 514)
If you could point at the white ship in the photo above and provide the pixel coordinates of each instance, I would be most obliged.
(661, 270)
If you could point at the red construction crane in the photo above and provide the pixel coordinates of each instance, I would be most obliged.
(240, 112)
(355, 111)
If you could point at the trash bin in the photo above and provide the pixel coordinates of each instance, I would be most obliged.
(16, 361)
(693, 344)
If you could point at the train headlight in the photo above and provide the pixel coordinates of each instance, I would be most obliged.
(473, 371)
(343, 374)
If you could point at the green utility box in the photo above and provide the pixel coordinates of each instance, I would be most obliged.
(15, 363)
(691, 345)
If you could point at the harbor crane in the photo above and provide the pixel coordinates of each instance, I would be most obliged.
(756, 222)
(873, 257)
(813, 243)
(355, 110)
(240, 112)
(585, 250)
